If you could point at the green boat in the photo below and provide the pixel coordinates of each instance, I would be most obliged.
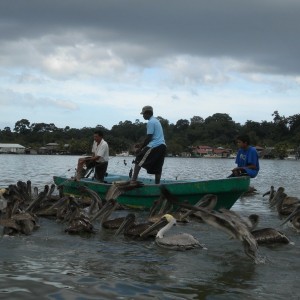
(227, 190)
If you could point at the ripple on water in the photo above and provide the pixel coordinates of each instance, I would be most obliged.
(51, 264)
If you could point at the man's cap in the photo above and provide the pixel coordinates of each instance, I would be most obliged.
(146, 108)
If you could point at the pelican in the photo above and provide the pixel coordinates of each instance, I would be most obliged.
(19, 223)
(182, 241)
(232, 224)
(285, 205)
(251, 191)
(164, 206)
(208, 201)
(109, 207)
(96, 203)
(134, 229)
(269, 236)
(80, 225)
(271, 193)
(265, 236)
(120, 187)
(3, 200)
(294, 219)
(40, 197)
(225, 222)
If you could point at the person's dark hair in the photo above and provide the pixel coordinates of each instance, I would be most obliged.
(244, 138)
(99, 132)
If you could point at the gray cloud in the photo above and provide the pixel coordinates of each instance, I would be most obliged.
(262, 33)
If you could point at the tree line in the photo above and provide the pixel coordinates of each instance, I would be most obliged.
(218, 130)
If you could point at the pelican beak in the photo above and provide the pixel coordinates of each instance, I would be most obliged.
(292, 215)
(105, 211)
(123, 225)
(157, 225)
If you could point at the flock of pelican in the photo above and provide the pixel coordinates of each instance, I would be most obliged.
(21, 206)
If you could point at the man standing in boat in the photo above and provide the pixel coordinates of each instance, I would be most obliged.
(99, 158)
(150, 154)
(246, 159)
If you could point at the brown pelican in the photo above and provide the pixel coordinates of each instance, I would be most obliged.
(80, 224)
(231, 224)
(253, 221)
(265, 236)
(69, 211)
(251, 191)
(3, 200)
(38, 201)
(271, 193)
(120, 187)
(15, 220)
(10, 226)
(269, 236)
(163, 206)
(226, 221)
(104, 214)
(134, 229)
(64, 210)
(21, 222)
(208, 201)
(285, 205)
(181, 241)
(96, 203)
(294, 219)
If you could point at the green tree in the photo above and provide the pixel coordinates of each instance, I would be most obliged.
(22, 126)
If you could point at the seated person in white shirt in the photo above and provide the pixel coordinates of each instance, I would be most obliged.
(99, 158)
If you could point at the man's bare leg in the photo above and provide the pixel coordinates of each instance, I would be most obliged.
(136, 171)
(80, 164)
(157, 178)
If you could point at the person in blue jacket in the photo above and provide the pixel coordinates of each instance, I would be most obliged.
(247, 159)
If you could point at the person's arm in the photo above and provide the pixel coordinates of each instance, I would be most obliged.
(253, 167)
(91, 158)
(147, 140)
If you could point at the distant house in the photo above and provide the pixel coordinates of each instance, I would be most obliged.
(42, 150)
(207, 151)
(221, 152)
(12, 148)
(52, 146)
(202, 150)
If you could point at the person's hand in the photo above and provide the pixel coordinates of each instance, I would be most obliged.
(237, 171)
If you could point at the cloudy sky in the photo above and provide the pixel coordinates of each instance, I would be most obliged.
(82, 63)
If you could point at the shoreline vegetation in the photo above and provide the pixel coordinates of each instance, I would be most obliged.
(212, 137)
(292, 158)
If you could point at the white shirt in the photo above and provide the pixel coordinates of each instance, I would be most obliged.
(101, 150)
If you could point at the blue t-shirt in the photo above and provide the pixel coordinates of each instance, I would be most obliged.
(154, 127)
(248, 157)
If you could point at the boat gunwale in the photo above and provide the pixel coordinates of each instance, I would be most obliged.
(176, 184)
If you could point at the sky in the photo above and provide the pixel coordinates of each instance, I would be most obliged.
(83, 63)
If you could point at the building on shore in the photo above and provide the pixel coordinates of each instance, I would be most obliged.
(12, 148)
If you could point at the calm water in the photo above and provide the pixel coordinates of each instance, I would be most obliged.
(50, 264)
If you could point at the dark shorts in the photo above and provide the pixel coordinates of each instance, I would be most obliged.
(100, 169)
(152, 159)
